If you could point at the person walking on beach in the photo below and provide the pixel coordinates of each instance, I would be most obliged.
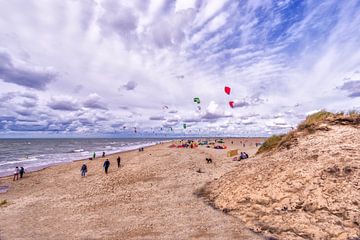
(106, 165)
(16, 174)
(94, 155)
(103, 154)
(22, 171)
(118, 161)
(83, 170)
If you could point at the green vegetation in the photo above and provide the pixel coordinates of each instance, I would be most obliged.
(311, 124)
(313, 119)
(270, 143)
(3, 202)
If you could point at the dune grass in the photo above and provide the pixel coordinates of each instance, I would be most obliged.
(3, 202)
(309, 126)
(270, 143)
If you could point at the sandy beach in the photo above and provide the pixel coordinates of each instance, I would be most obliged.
(152, 196)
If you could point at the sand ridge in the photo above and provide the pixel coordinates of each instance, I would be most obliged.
(309, 191)
(150, 197)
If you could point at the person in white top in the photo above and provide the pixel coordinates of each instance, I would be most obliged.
(16, 174)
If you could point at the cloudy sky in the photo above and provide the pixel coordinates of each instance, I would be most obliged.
(106, 67)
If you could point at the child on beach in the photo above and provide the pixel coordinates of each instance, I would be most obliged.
(83, 170)
(16, 174)
(106, 165)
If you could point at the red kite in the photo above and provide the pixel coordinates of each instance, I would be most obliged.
(231, 103)
(227, 90)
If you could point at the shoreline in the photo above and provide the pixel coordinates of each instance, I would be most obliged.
(37, 169)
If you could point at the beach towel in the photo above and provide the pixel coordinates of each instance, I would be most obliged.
(232, 153)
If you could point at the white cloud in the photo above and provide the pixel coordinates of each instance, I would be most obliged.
(167, 53)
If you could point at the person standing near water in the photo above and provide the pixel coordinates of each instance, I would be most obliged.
(106, 165)
(94, 155)
(16, 174)
(22, 171)
(83, 170)
(118, 161)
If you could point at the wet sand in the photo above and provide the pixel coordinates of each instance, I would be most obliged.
(152, 196)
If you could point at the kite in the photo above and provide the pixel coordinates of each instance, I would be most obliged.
(227, 90)
(197, 100)
(232, 104)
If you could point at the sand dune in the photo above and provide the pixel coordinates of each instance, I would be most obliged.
(150, 197)
(309, 191)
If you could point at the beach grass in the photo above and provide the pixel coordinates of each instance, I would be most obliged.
(3, 202)
(310, 125)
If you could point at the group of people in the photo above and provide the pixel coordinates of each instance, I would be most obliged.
(106, 166)
(244, 155)
(18, 171)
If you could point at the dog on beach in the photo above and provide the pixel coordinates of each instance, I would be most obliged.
(208, 160)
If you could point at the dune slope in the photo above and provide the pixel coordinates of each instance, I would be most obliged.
(309, 188)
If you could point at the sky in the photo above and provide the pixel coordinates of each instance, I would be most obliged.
(106, 67)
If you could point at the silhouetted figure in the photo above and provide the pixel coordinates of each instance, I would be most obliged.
(103, 154)
(106, 165)
(21, 172)
(83, 170)
(118, 161)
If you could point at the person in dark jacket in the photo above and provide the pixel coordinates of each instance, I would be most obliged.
(106, 165)
(118, 161)
(21, 172)
(83, 170)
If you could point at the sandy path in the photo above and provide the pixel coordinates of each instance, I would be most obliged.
(150, 197)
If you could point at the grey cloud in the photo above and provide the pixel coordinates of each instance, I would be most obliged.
(117, 19)
(214, 116)
(29, 76)
(251, 101)
(29, 95)
(355, 94)
(130, 85)
(170, 31)
(241, 104)
(154, 118)
(352, 87)
(28, 127)
(64, 105)
(94, 101)
(7, 96)
(28, 104)
(173, 120)
(78, 88)
(117, 125)
(87, 13)
(24, 112)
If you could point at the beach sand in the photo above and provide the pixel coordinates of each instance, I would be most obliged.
(152, 196)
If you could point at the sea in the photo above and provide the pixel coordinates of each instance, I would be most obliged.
(35, 154)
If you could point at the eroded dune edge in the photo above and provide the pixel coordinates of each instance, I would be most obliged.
(306, 186)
